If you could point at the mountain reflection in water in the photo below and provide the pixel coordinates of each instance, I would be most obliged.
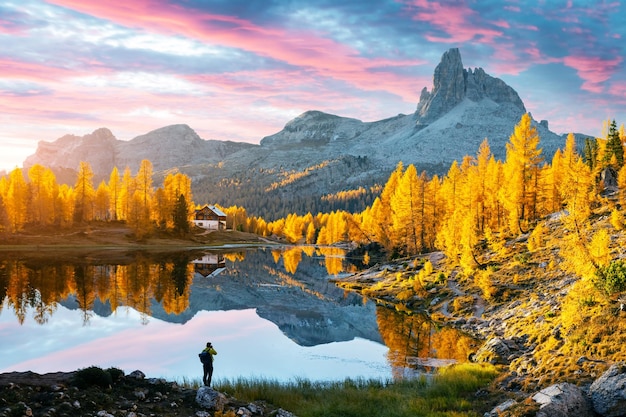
(271, 314)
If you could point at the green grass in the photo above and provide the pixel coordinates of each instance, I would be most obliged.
(449, 393)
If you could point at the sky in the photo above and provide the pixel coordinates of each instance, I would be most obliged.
(241, 69)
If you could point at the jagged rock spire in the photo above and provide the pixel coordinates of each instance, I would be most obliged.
(452, 84)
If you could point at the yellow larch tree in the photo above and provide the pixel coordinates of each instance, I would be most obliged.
(43, 189)
(408, 210)
(494, 184)
(381, 217)
(126, 195)
(449, 235)
(477, 182)
(523, 159)
(115, 190)
(578, 193)
(175, 185)
(17, 200)
(555, 182)
(143, 183)
(102, 200)
(294, 228)
(85, 193)
(433, 211)
(65, 204)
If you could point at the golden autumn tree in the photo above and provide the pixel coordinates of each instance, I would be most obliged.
(523, 159)
(16, 201)
(140, 214)
(477, 182)
(102, 199)
(43, 189)
(380, 220)
(65, 204)
(449, 234)
(126, 195)
(143, 184)
(408, 212)
(578, 195)
(85, 193)
(433, 205)
(174, 185)
(294, 228)
(115, 190)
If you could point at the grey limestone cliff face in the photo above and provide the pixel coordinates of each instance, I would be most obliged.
(169, 147)
(68, 151)
(316, 128)
(452, 84)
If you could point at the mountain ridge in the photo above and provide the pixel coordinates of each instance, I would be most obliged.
(318, 153)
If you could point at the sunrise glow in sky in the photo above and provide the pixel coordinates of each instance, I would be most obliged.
(241, 69)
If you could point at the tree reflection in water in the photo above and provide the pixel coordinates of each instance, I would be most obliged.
(133, 280)
(138, 280)
(414, 341)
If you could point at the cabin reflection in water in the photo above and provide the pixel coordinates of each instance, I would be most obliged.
(210, 264)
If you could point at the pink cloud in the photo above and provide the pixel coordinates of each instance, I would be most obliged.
(299, 48)
(618, 89)
(454, 20)
(31, 71)
(593, 70)
(502, 24)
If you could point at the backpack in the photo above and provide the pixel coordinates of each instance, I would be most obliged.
(205, 357)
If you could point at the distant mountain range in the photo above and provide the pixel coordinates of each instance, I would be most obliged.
(316, 153)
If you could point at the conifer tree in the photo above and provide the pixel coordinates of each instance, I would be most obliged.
(181, 216)
(614, 147)
(115, 190)
(17, 200)
(407, 207)
(590, 153)
(381, 212)
(523, 158)
(102, 200)
(143, 182)
(85, 193)
(43, 189)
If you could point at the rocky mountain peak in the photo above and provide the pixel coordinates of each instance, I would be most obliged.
(315, 128)
(452, 84)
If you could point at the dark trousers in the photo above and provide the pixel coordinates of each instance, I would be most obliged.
(208, 373)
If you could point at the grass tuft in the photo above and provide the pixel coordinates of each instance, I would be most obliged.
(449, 393)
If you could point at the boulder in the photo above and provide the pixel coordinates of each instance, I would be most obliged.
(208, 398)
(495, 351)
(137, 375)
(499, 409)
(608, 393)
(563, 400)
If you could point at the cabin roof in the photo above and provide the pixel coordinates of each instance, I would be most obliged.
(214, 209)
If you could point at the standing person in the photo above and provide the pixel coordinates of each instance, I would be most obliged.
(206, 357)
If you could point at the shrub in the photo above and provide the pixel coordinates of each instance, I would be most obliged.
(612, 278)
(92, 376)
(116, 374)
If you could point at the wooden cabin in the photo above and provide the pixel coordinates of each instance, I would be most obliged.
(210, 218)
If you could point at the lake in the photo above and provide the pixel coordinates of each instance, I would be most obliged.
(270, 313)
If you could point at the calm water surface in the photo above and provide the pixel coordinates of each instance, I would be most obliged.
(269, 313)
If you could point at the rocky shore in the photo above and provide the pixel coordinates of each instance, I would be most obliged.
(521, 332)
(132, 395)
